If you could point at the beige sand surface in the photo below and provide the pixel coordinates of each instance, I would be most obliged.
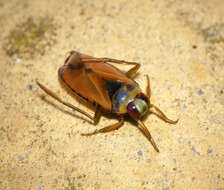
(180, 44)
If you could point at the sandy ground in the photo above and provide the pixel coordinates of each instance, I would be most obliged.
(180, 44)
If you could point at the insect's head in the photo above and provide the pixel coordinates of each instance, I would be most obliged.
(139, 106)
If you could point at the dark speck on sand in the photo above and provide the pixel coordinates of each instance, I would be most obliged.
(140, 153)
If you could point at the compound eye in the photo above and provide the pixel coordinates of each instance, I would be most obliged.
(132, 110)
(143, 97)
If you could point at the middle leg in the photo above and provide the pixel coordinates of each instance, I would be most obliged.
(107, 129)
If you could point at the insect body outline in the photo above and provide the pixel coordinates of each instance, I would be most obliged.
(109, 89)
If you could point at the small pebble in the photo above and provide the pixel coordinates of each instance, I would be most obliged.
(210, 150)
(18, 60)
(174, 160)
(193, 148)
(199, 91)
(20, 158)
(140, 153)
(29, 86)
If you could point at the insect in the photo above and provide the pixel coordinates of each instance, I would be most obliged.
(109, 89)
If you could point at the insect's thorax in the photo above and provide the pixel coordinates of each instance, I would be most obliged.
(124, 95)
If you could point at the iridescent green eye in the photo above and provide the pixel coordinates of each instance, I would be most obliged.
(137, 108)
(141, 106)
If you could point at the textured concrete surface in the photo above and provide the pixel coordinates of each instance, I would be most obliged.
(180, 44)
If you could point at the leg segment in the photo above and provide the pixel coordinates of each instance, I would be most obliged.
(95, 119)
(155, 110)
(148, 89)
(160, 114)
(107, 129)
(147, 134)
(129, 73)
(97, 115)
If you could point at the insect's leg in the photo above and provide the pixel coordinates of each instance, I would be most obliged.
(53, 95)
(129, 73)
(133, 70)
(107, 129)
(97, 115)
(161, 115)
(148, 89)
(147, 134)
